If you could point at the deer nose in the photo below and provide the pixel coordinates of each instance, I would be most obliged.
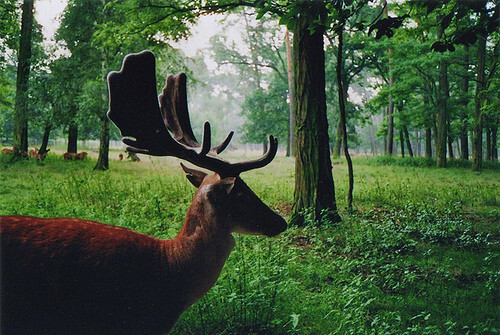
(277, 226)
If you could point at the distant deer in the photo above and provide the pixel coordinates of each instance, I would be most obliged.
(8, 151)
(33, 152)
(67, 156)
(80, 156)
(72, 276)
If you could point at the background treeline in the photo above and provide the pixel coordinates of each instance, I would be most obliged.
(421, 78)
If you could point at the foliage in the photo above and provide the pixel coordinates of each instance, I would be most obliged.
(420, 255)
(266, 112)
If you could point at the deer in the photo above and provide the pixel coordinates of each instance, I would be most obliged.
(81, 155)
(74, 276)
(8, 151)
(33, 152)
(67, 156)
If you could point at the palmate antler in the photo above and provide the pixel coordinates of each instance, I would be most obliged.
(164, 129)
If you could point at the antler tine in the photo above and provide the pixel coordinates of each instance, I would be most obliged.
(221, 147)
(272, 149)
(205, 144)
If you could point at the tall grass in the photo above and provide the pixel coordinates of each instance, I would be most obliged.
(420, 254)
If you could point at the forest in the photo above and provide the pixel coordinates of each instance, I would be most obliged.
(387, 115)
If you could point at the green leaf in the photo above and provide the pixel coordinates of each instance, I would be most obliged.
(295, 320)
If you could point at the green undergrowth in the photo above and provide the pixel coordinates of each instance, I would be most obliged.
(420, 254)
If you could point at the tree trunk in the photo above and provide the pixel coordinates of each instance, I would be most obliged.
(20, 136)
(372, 138)
(488, 138)
(477, 163)
(314, 186)
(450, 143)
(494, 147)
(441, 114)
(390, 110)
(343, 118)
(401, 140)
(407, 139)
(103, 159)
(338, 140)
(72, 138)
(418, 143)
(464, 84)
(45, 139)
(428, 143)
(290, 94)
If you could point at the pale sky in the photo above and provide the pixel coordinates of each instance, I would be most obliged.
(48, 14)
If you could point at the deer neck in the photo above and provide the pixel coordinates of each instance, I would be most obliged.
(198, 252)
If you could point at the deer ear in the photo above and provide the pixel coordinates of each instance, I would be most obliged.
(194, 176)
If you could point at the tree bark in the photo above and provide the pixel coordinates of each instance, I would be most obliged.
(494, 147)
(103, 159)
(372, 138)
(72, 138)
(314, 186)
(477, 163)
(407, 139)
(488, 139)
(464, 84)
(450, 142)
(343, 118)
(428, 143)
(45, 139)
(338, 140)
(20, 136)
(290, 94)
(441, 113)
(402, 141)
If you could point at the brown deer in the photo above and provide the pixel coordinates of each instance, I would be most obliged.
(33, 152)
(72, 276)
(8, 151)
(81, 156)
(67, 156)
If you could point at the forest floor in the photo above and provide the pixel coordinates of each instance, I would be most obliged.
(419, 254)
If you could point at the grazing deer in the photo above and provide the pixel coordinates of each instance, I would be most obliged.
(72, 276)
(7, 151)
(67, 156)
(80, 156)
(33, 153)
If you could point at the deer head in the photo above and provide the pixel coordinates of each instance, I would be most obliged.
(164, 129)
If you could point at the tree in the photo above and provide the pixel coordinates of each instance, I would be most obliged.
(314, 185)
(262, 71)
(20, 137)
(473, 22)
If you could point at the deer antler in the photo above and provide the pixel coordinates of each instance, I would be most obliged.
(174, 108)
(166, 131)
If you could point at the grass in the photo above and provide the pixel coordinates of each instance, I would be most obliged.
(420, 254)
